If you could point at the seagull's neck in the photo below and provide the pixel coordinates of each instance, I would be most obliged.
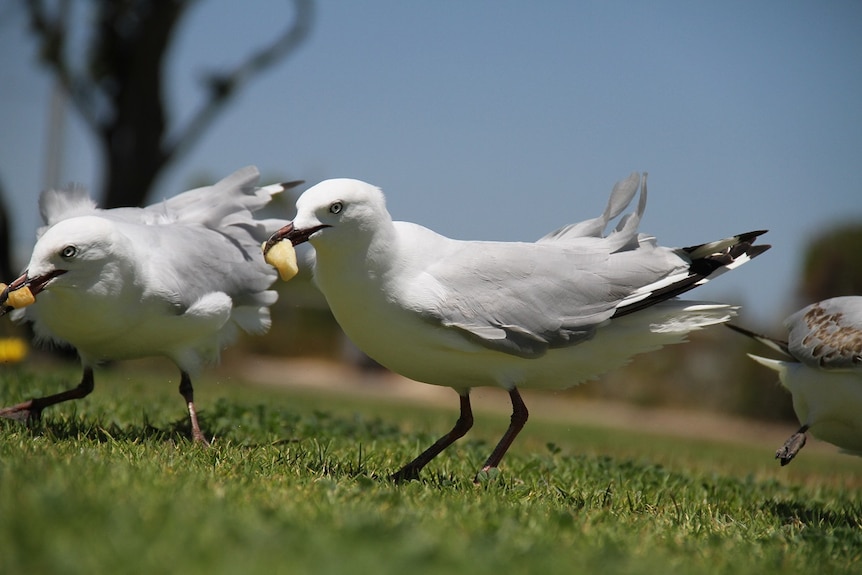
(368, 258)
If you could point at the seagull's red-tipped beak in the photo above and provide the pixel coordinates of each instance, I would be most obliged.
(36, 285)
(290, 233)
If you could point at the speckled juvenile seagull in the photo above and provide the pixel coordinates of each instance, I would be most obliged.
(463, 314)
(176, 279)
(823, 370)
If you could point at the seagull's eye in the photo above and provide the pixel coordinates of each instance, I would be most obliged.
(69, 252)
(336, 208)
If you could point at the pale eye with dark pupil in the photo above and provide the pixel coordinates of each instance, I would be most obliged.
(336, 208)
(69, 252)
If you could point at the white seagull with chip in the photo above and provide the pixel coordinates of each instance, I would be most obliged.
(178, 279)
(547, 314)
(822, 369)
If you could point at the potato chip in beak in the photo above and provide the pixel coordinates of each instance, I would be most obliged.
(282, 257)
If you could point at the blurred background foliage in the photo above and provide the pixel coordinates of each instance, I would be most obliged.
(832, 265)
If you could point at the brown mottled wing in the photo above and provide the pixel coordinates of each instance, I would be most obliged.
(828, 334)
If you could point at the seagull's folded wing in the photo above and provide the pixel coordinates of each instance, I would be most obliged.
(182, 264)
(524, 299)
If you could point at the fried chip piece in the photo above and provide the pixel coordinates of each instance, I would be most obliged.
(21, 297)
(282, 257)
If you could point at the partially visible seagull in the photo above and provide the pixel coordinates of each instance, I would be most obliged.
(177, 279)
(464, 314)
(823, 370)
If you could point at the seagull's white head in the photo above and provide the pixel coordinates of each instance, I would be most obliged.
(77, 253)
(340, 211)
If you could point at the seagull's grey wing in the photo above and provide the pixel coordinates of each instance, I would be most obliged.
(228, 207)
(231, 199)
(527, 298)
(621, 196)
(524, 299)
(207, 239)
(828, 334)
(181, 264)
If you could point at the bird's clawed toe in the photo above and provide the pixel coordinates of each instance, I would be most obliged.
(791, 447)
(406, 473)
(23, 412)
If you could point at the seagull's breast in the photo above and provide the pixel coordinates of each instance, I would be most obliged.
(104, 327)
(382, 312)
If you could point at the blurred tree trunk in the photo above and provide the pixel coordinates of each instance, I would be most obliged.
(129, 63)
(118, 88)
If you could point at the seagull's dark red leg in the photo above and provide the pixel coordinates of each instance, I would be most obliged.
(519, 418)
(462, 426)
(791, 447)
(188, 393)
(32, 408)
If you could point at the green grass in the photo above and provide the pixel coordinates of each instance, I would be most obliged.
(294, 483)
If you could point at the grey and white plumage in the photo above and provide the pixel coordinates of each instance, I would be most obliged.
(547, 314)
(822, 369)
(178, 279)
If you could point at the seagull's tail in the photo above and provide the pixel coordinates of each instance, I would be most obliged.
(774, 364)
(708, 261)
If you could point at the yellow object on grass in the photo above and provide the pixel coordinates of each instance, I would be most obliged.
(12, 349)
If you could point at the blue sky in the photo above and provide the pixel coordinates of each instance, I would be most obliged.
(504, 120)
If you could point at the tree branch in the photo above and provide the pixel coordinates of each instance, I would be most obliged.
(51, 33)
(223, 86)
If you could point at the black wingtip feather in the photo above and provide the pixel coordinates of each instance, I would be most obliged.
(701, 268)
(751, 236)
(291, 184)
(743, 331)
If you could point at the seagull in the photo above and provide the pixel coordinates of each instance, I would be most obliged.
(822, 368)
(545, 314)
(178, 279)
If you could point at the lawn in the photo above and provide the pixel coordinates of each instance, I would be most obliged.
(295, 483)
